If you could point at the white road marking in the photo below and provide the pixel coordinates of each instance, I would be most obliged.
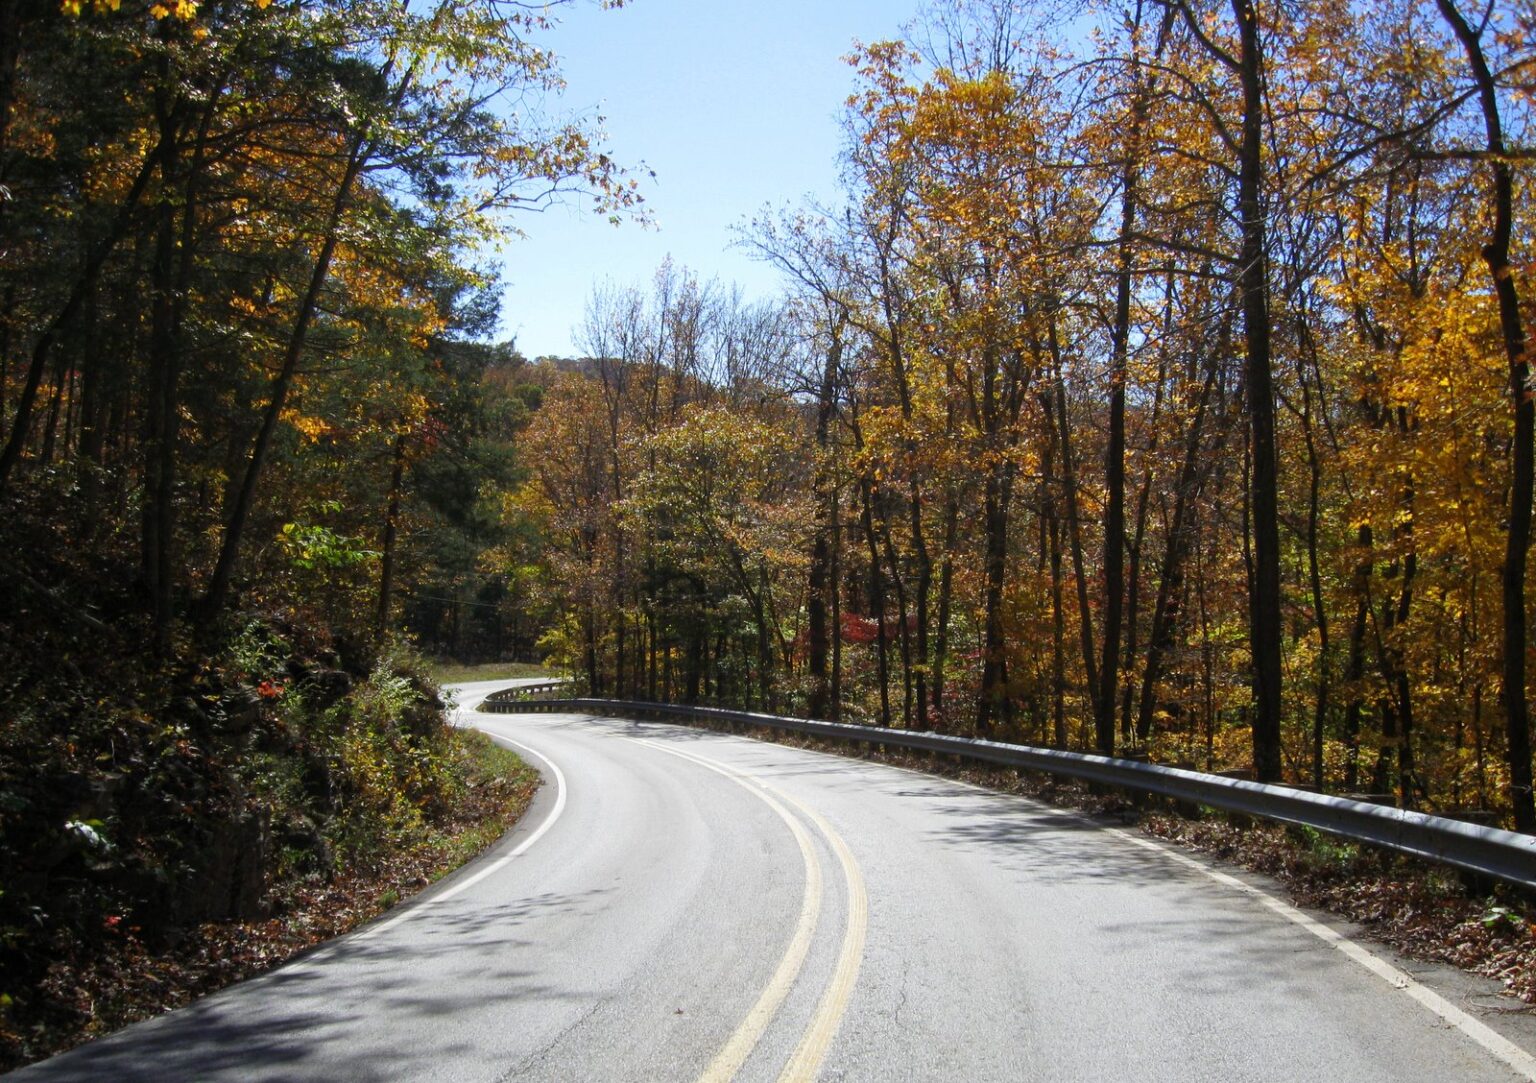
(1520, 1060)
(493, 867)
(1484, 1035)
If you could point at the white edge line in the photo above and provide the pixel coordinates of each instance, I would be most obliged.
(1498, 1046)
(1491, 1040)
(1484, 1035)
(549, 821)
(495, 866)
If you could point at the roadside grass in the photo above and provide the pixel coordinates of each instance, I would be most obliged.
(506, 785)
(448, 672)
(132, 979)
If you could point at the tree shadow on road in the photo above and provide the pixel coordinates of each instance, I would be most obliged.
(356, 1009)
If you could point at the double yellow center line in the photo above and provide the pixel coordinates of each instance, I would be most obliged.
(805, 1062)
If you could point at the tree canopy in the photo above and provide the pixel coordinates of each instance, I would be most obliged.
(1159, 386)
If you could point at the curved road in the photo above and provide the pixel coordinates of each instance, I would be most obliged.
(692, 906)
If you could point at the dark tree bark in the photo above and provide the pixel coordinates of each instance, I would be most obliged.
(996, 705)
(1051, 517)
(1397, 707)
(696, 648)
(946, 593)
(1523, 466)
(1114, 536)
(820, 574)
(837, 603)
(1114, 461)
(922, 588)
(594, 675)
(1063, 434)
(1264, 619)
(213, 600)
(1170, 583)
(391, 525)
(1004, 384)
(903, 634)
(1133, 589)
(171, 281)
(1354, 669)
(876, 603)
(80, 290)
(1319, 608)
(61, 367)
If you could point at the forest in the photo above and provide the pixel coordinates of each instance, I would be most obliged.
(251, 422)
(1162, 396)
(1157, 386)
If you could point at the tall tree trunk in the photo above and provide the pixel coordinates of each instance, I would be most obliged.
(80, 290)
(763, 607)
(1518, 540)
(837, 602)
(946, 592)
(1398, 735)
(923, 562)
(1127, 689)
(1063, 429)
(167, 350)
(92, 398)
(821, 544)
(651, 673)
(1113, 565)
(61, 366)
(7, 336)
(1175, 552)
(995, 705)
(594, 675)
(160, 414)
(903, 635)
(213, 600)
(1115, 585)
(1128, 724)
(1319, 608)
(876, 600)
(1114, 468)
(696, 634)
(816, 616)
(1264, 618)
(1354, 670)
(1207, 656)
(1051, 515)
(616, 600)
(914, 678)
(668, 649)
(391, 526)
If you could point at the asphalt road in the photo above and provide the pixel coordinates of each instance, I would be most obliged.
(687, 905)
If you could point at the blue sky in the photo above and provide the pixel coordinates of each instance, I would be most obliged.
(734, 105)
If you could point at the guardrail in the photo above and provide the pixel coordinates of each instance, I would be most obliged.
(520, 692)
(1487, 851)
